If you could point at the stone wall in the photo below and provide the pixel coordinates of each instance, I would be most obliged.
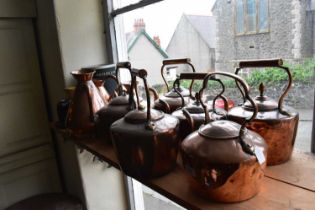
(289, 35)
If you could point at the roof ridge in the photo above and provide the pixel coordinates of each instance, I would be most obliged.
(143, 32)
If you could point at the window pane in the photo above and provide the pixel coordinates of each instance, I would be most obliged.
(263, 15)
(251, 15)
(239, 17)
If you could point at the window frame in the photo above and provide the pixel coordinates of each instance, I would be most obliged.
(245, 18)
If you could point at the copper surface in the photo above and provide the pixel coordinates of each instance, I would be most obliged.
(243, 184)
(279, 132)
(276, 123)
(100, 86)
(146, 141)
(84, 105)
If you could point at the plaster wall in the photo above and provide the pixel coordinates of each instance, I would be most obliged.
(187, 43)
(71, 37)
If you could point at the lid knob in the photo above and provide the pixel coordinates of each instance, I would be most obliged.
(261, 89)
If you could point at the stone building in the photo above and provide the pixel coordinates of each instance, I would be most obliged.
(259, 29)
(194, 37)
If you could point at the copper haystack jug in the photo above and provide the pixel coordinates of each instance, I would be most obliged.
(224, 159)
(276, 123)
(85, 103)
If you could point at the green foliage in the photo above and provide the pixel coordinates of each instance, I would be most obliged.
(301, 72)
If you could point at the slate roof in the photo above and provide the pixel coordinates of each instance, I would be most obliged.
(133, 37)
(205, 27)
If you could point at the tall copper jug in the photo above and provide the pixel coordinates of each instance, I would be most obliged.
(85, 103)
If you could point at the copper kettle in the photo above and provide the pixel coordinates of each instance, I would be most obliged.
(117, 107)
(170, 101)
(85, 103)
(224, 159)
(191, 116)
(146, 141)
(276, 123)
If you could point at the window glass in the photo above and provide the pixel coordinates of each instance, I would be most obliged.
(263, 15)
(251, 15)
(239, 17)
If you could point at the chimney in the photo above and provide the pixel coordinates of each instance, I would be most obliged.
(157, 40)
(138, 25)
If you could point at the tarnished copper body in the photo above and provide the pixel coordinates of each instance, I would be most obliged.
(170, 101)
(276, 123)
(221, 156)
(146, 141)
(85, 103)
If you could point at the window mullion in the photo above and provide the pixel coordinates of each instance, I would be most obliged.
(257, 16)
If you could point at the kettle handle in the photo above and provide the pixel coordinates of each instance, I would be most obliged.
(267, 63)
(142, 73)
(245, 87)
(197, 76)
(121, 65)
(177, 61)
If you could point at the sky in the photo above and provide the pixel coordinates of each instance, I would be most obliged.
(162, 18)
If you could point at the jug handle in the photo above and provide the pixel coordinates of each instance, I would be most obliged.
(246, 148)
(267, 63)
(177, 61)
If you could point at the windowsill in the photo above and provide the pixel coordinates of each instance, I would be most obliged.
(252, 33)
(290, 185)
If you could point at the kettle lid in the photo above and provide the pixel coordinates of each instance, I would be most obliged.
(120, 100)
(172, 93)
(140, 116)
(220, 130)
(264, 103)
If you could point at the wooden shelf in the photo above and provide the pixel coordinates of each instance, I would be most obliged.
(287, 186)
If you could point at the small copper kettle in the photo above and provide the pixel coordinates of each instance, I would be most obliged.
(276, 123)
(170, 101)
(191, 116)
(224, 159)
(117, 107)
(146, 141)
(84, 105)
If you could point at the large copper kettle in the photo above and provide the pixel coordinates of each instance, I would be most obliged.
(276, 123)
(224, 159)
(146, 141)
(170, 101)
(191, 116)
(85, 103)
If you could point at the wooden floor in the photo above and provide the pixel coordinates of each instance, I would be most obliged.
(287, 186)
